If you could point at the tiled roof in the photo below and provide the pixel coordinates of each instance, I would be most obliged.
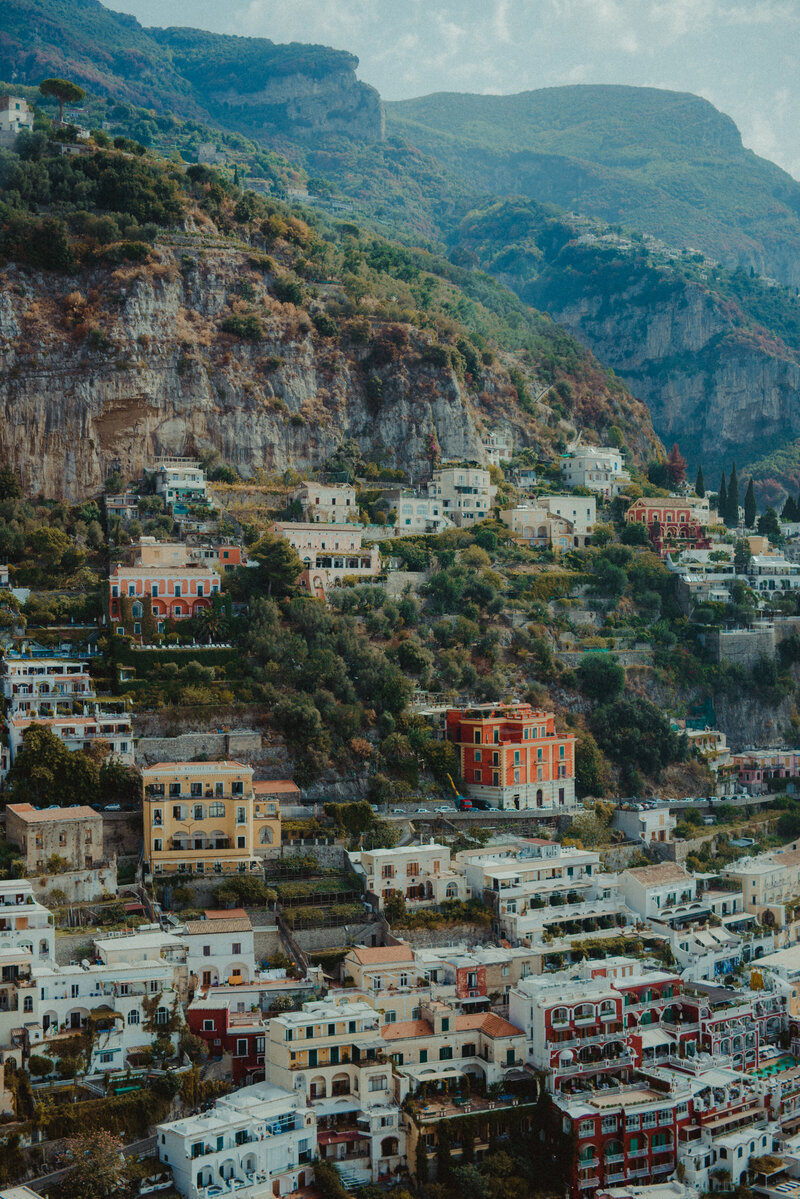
(31, 815)
(489, 1023)
(406, 1028)
(378, 955)
(664, 872)
(209, 927)
(225, 914)
(276, 787)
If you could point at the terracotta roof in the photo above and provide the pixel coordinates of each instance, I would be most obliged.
(31, 815)
(489, 1023)
(664, 872)
(276, 787)
(405, 1029)
(369, 956)
(209, 927)
(225, 914)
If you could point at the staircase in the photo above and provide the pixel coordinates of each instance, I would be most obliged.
(353, 1177)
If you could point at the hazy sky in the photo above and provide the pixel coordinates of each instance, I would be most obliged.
(742, 55)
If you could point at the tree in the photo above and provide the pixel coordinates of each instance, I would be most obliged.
(45, 771)
(99, 1170)
(279, 566)
(637, 735)
(601, 677)
(750, 505)
(635, 534)
(9, 484)
(789, 511)
(394, 907)
(741, 555)
(64, 91)
(700, 486)
(39, 1066)
(658, 473)
(732, 508)
(722, 499)
(676, 466)
(769, 525)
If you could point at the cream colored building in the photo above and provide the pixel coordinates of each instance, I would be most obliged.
(421, 873)
(330, 553)
(327, 503)
(203, 818)
(466, 493)
(769, 880)
(538, 527)
(74, 834)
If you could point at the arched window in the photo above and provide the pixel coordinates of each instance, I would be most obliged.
(133, 1016)
(560, 1015)
(137, 609)
(265, 836)
(162, 1016)
(584, 1011)
(28, 1004)
(451, 891)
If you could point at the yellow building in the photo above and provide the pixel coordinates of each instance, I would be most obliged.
(204, 818)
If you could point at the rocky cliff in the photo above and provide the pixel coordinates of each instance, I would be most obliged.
(134, 363)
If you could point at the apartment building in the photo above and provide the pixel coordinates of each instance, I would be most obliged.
(498, 445)
(334, 1054)
(25, 924)
(466, 493)
(34, 686)
(444, 1045)
(512, 757)
(111, 730)
(421, 873)
(230, 1025)
(15, 115)
(598, 468)
(330, 553)
(759, 770)
(773, 572)
(220, 948)
(579, 510)
(538, 527)
(768, 881)
(73, 834)
(655, 892)
(181, 483)
(421, 514)
(479, 975)
(112, 1000)
(672, 515)
(381, 967)
(17, 994)
(327, 503)
(146, 598)
(259, 1140)
(200, 817)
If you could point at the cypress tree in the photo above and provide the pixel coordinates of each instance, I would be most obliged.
(733, 498)
(700, 486)
(789, 510)
(750, 505)
(722, 502)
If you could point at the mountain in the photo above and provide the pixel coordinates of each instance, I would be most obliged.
(173, 312)
(666, 163)
(250, 84)
(715, 354)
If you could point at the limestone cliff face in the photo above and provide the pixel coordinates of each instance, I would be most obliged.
(113, 369)
(305, 105)
(720, 390)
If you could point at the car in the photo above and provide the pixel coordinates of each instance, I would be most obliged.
(399, 811)
(112, 807)
(444, 808)
(423, 811)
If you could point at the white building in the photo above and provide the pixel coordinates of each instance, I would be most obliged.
(499, 446)
(654, 891)
(421, 514)
(421, 873)
(112, 729)
(579, 510)
(24, 922)
(111, 999)
(773, 572)
(466, 493)
(181, 482)
(539, 527)
(327, 503)
(257, 1143)
(15, 115)
(220, 948)
(40, 686)
(597, 467)
(645, 822)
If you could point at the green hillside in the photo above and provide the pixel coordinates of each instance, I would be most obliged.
(667, 163)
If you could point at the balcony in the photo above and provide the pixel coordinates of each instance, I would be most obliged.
(585, 1183)
(611, 1159)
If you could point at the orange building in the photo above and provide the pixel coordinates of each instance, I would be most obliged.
(511, 756)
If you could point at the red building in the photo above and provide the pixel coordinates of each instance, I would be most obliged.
(675, 523)
(226, 1027)
(139, 594)
(512, 757)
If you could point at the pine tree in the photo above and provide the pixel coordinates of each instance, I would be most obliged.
(700, 485)
(733, 498)
(722, 502)
(750, 505)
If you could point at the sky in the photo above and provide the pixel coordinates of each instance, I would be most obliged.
(742, 55)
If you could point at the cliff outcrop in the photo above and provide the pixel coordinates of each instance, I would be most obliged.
(112, 371)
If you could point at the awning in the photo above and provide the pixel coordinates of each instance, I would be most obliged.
(655, 1036)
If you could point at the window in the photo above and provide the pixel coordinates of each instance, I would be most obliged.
(378, 1083)
(196, 789)
(74, 990)
(241, 842)
(241, 815)
(162, 1016)
(477, 755)
(158, 845)
(216, 809)
(133, 1017)
(206, 951)
(236, 949)
(28, 1004)
(390, 1017)
(446, 1053)
(198, 812)
(423, 1056)
(174, 788)
(241, 1046)
(208, 1026)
